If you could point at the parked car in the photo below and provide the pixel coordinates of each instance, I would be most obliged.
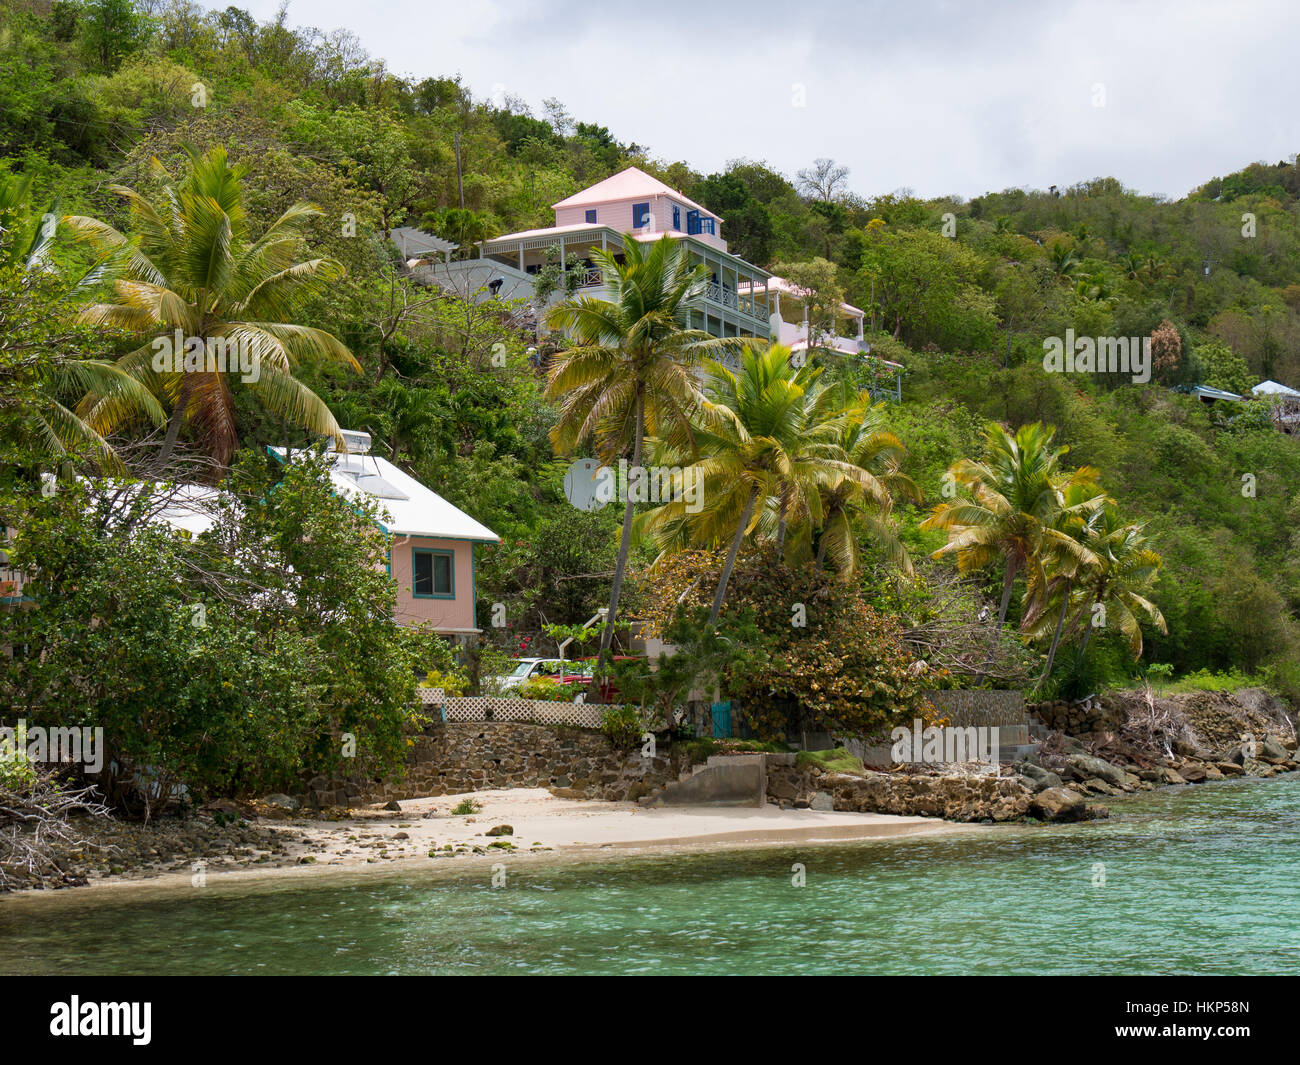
(580, 674)
(528, 668)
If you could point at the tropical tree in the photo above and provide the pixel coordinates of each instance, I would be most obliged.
(1011, 512)
(192, 269)
(851, 503)
(1066, 558)
(767, 443)
(631, 369)
(38, 363)
(1120, 579)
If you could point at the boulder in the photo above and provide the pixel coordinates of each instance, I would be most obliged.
(822, 801)
(1271, 750)
(1231, 769)
(282, 802)
(393, 806)
(500, 830)
(1085, 766)
(1057, 804)
(1038, 778)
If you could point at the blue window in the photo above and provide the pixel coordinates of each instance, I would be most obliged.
(677, 217)
(692, 222)
(640, 215)
(591, 216)
(433, 574)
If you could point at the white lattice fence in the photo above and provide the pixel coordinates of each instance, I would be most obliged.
(512, 708)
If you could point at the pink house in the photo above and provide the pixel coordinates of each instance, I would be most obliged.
(630, 204)
(431, 543)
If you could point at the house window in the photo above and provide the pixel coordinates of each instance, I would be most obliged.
(591, 216)
(640, 215)
(677, 217)
(432, 574)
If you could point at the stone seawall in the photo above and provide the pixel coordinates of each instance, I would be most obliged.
(575, 763)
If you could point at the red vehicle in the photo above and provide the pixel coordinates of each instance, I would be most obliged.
(581, 675)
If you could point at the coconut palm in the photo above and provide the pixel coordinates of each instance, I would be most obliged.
(850, 503)
(1014, 498)
(1125, 569)
(1065, 559)
(767, 443)
(50, 428)
(192, 268)
(631, 370)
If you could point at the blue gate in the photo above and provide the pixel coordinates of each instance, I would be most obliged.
(721, 714)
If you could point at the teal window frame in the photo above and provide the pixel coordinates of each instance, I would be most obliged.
(451, 573)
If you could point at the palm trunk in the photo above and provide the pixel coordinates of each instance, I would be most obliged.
(1007, 582)
(721, 593)
(780, 528)
(625, 543)
(1056, 636)
(174, 423)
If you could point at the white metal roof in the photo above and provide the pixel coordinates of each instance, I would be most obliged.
(1272, 388)
(413, 509)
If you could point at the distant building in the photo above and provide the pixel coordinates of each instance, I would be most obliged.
(737, 301)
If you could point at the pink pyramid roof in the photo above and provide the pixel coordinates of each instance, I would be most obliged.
(629, 184)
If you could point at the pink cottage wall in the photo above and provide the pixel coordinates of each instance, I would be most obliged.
(445, 615)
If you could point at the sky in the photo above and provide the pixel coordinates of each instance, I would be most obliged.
(937, 97)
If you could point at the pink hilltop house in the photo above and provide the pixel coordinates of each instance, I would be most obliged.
(741, 299)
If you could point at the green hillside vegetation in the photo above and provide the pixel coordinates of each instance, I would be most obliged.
(97, 98)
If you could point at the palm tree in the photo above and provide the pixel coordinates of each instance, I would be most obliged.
(870, 447)
(192, 267)
(50, 428)
(1015, 496)
(1126, 568)
(1065, 559)
(631, 370)
(767, 443)
(1064, 261)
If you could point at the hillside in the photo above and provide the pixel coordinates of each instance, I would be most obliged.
(962, 293)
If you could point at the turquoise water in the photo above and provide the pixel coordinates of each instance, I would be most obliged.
(1197, 880)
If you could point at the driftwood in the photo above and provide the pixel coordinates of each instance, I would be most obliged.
(40, 820)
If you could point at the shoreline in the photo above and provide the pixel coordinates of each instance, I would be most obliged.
(545, 829)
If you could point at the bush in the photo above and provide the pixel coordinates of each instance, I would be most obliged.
(622, 725)
(546, 688)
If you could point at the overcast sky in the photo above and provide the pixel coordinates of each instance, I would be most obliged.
(938, 97)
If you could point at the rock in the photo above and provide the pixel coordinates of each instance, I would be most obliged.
(226, 807)
(1231, 769)
(1213, 772)
(822, 801)
(1057, 804)
(1040, 779)
(402, 835)
(1085, 766)
(393, 805)
(1095, 811)
(1169, 776)
(1271, 750)
(500, 830)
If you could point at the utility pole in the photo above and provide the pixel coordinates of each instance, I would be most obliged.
(1208, 263)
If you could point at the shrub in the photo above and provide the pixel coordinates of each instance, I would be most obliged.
(546, 688)
(622, 725)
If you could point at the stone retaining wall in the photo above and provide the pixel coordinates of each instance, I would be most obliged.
(574, 763)
(976, 707)
(1079, 719)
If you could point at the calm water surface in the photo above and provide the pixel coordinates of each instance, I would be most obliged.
(1196, 880)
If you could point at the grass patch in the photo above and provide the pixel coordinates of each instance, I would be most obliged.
(702, 747)
(467, 806)
(836, 760)
(1205, 680)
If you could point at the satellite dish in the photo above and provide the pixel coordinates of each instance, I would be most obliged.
(588, 485)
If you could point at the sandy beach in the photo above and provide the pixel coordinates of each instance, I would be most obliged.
(425, 833)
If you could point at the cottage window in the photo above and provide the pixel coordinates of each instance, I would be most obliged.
(432, 574)
(591, 216)
(640, 215)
